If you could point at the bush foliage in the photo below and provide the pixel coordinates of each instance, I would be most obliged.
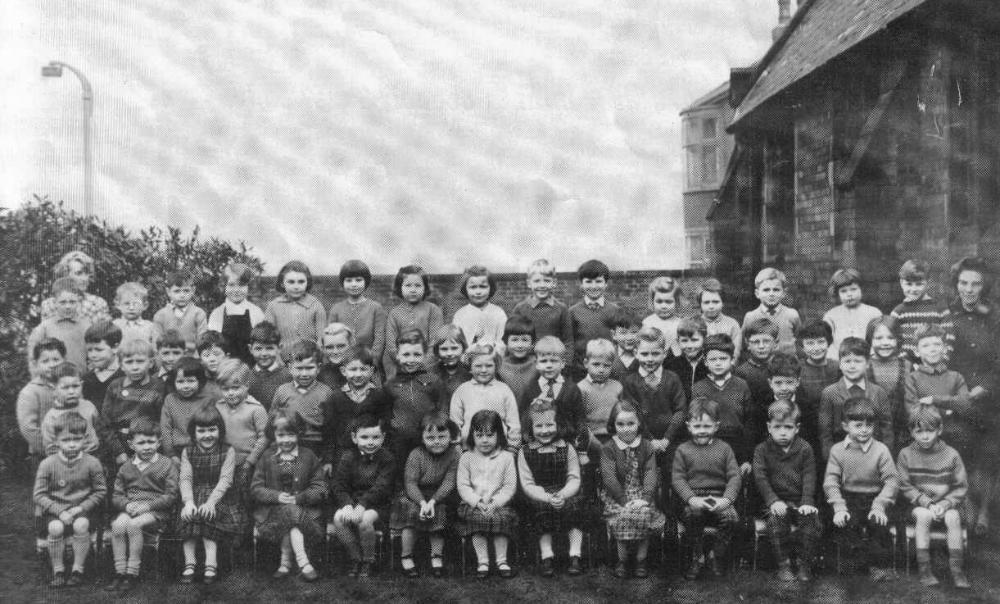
(35, 236)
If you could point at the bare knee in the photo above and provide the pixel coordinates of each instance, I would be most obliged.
(121, 524)
(922, 515)
(952, 519)
(56, 529)
(81, 526)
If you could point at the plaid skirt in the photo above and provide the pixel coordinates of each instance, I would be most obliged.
(229, 522)
(406, 514)
(283, 517)
(631, 524)
(543, 518)
(471, 520)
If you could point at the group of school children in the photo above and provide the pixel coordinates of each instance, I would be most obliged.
(215, 427)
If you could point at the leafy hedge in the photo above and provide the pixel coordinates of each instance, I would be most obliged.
(32, 240)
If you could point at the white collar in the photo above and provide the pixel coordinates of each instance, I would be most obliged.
(624, 445)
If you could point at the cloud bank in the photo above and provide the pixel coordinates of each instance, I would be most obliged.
(442, 132)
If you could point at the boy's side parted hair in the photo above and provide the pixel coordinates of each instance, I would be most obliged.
(337, 328)
(600, 348)
(626, 319)
(926, 417)
(449, 332)
(48, 344)
(131, 288)
(550, 345)
(410, 269)
(179, 278)
(541, 267)
(854, 346)
(720, 342)
(914, 270)
(412, 336)
(144, 426)
(265, 333)
(783, 411)
(355, 268)
(665, 285)
(769, 274)
(367, 420)
(690, 326)
(305, 350)
(233, 371)
(486, 420)
(103, 331)
(477, 271)
(136, 346)
(359, 353)
(859, 408)
(296, 266)
(784, 365)
(709, 285)
(66, 284)
(593, 269)
(929, 331)
(844, 277)
(814, 330)
(625, 406)
(207, 416)
(518, 325)
(191, 367)
(211, 339)
(760, 326)
(701, 406)
(171, 338)
(652, 335)
(70, 422)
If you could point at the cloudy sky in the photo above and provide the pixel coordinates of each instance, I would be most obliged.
(440, 131)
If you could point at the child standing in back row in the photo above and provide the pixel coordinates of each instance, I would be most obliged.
(593, 316)
(851, 318)
(365, 317)
(919, 309)
(131, 300)
(664, 294)
(181, 313)
(548, 315)
(68, 326)
(769, 287)
(296, 313)
(710, 303)
(412, 286)
(480, 320)
(235, 317)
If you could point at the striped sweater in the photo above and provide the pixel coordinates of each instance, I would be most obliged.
(909, 316)
(935, 475)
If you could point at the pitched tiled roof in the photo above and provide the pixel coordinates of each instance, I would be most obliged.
(819, 32)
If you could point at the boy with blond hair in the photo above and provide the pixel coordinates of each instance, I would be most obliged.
(548, 314)
(769, 288)
(131, 300)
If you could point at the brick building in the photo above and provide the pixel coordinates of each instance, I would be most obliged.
(867, 134)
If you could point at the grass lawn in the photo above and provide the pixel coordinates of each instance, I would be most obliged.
(21, 581)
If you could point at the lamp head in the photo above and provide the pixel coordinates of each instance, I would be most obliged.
(52, 70)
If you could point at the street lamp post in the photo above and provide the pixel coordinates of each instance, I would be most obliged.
(54, 70)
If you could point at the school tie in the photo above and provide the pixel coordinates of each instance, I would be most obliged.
(856, 390)
(651, 379)
(593, 305)
(551, 392)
